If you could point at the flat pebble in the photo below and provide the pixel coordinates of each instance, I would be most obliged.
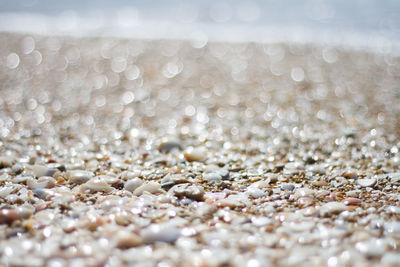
(160, 233)
(151, 187)
(39, 170)
(352, 201)
(96, 186)
(366, 182)
(332, 208)
(133, 184)
(79, 176)
(289, 187)
(126, 240)
(212, 177)
(372, 248)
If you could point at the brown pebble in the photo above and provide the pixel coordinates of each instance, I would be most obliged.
(305, 201)
(351, 201)
(350, 175)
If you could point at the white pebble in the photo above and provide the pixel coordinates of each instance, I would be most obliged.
(366, 182)
(151, 187)
(131, 185)
(332, 208)
(160, 233)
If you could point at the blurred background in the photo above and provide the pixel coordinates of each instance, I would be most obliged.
(361, 23)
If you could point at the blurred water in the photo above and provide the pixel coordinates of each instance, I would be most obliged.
(368, 23)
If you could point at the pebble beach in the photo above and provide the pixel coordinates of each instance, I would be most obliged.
(133, 152)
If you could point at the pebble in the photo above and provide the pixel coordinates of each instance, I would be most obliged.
(79, 176)
(6, 190)
(195, 154)
(393, 210)
(366, 182)
(6, 161)
(160, 233)
(133, 184)
(289, 187)
(372, 248)
(255, 192)
(190, 191)
(43, 182)
(353, 193)
(96, 186)
(166, 147)
(332, 208)
(212, 177)
(8, 216)
(126, 240)
(351, 201)
(39, 170)
(151, 187)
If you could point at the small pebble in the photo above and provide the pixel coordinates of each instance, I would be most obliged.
(132, 184)
(166, 147)
(79, 176)
(190, 191)
(126, 240)
(366, 182)
(6, 161)
(289, 187)
(195, 154)
(151, 187)
(332, 208)
(351, 201)
(160, 233)
(39, 170)
(212, 177)
(96, 186)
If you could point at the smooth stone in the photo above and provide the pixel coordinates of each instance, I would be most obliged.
(6, 190)
(39, 170)
(160, 233)
(131, 185)
(289, 187)
(393, 210)
(166, 147)
(8, 216)
(366, 182)
(126, 240)
(372, 248)
(190, 191)
(212, 177)
(255, 192)
(96, 185)
(79, 176)
(6, 161)
(195, 154)
(332, 208)
(44, 193)
(151, 187)
(43, 182)
(261, 221)
(351, 201)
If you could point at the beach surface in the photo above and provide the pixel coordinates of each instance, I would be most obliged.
(122, 152)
